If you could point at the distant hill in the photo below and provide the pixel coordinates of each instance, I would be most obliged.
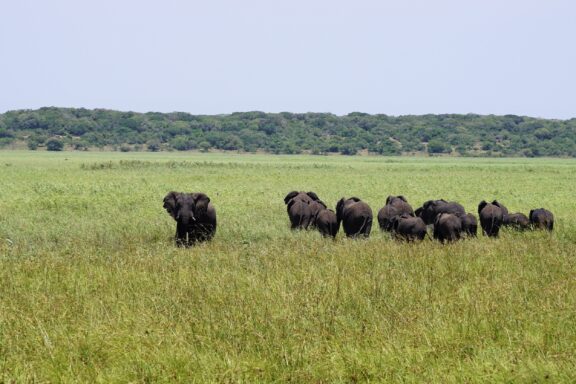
(317, 133)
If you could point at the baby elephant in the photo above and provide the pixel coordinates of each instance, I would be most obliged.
(408, 228)
(327, 223)
(469, 224)
(518, 221)
(195, 217)
(542, 219)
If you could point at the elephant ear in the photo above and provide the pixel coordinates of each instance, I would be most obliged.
(170, 203)
(530, 214)
(427, 204)
(313, 196)
(389, 199)
(418, 211)
(290, 196)
(481, 206)
(201, 203)
(401, 197)
(355, 199)
(496, 203)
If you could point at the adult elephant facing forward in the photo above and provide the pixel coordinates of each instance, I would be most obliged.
(355, 215)
(194, 214)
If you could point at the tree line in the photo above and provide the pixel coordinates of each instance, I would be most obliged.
(289, 133)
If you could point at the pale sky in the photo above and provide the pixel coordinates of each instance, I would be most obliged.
(220, 56)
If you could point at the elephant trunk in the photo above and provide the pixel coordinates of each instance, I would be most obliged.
(186, 218)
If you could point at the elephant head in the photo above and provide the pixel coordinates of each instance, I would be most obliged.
(390, 199)
(186, 207)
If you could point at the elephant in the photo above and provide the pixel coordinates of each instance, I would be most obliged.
(327, 223)
(299, 211)
(385, 216)
(504, 211)
(195, 217)
(355, 215)
(517, 221)
(469, 224)
(542, 219)
(315, 206)
(431, 208)
(491, 218)
(447, 227)
(395, 206)
(409, 228)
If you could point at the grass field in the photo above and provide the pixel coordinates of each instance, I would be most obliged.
(92, 288)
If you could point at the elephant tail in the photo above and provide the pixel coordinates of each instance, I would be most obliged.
(367, 220)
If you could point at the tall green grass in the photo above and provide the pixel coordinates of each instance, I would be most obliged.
(92, 288)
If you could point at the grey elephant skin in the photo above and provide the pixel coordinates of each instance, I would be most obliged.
(518, 221)
(447, 227)
(195, 217)
(394, 206)
(327, 223)
(298, 208)
(355, 216)
(504, 211)
(469, 225)
(431, 208)
(491, 218)
(542, 219)
(408, 228)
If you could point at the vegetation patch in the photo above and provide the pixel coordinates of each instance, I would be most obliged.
(93, 289)
(472, 135)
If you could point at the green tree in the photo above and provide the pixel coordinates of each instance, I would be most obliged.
(437, 146)
(54, 145)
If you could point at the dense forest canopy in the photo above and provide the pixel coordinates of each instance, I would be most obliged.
(316, 133)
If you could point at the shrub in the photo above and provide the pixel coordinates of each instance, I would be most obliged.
(54, 145)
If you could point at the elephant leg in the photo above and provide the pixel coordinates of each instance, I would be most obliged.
(181, 233)
(368, 228)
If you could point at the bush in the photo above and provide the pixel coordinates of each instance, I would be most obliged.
(153, 146)
(436, 146)
(54, 145)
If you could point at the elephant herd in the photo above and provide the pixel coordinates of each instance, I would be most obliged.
(195, 217)
(449, 220)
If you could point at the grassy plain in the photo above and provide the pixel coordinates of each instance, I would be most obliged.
(92, 288)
